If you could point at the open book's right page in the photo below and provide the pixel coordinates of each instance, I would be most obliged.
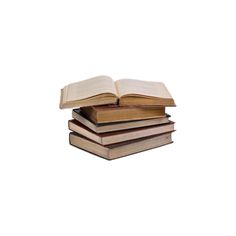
(149, 93)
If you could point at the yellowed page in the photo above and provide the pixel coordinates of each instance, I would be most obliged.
(142, 88)
(89, 88)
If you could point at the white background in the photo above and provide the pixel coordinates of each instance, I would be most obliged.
(50, 188)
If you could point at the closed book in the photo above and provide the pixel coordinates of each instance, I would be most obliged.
(122, 149)
(115, 126)
(119, 136)
(115, 113)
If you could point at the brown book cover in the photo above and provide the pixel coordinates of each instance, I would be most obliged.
(115, 126)
(122, 149)
(115, 113)
(119, 136)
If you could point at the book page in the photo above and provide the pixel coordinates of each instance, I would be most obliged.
(142, 88)
(89, 88)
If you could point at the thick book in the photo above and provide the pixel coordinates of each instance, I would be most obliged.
(119, 136)
(115, 113)
(102, 90)
(115, 126)
(114, 151)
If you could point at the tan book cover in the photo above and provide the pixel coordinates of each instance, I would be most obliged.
(102, 90)
(115, 113)
(115, 126)
(118, 150)
(119, 136)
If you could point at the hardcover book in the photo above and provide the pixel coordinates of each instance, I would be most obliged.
(115, 126)
(119, 136)
(102, 90)
(115, 113)
(114, 151)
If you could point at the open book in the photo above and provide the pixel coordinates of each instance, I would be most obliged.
(103, 90)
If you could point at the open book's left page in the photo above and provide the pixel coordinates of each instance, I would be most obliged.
(95, 91)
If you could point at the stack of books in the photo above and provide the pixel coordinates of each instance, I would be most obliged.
(116, 119)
